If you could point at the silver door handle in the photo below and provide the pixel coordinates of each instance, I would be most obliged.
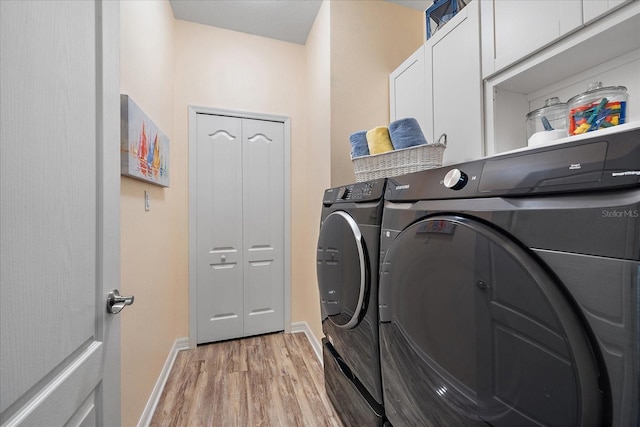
(115, 302)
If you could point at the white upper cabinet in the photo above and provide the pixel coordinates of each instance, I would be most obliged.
(454, 85)
(441, 86)
(407, 90)
(512, 30)
(593, 9)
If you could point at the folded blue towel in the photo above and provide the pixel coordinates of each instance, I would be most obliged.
(359, 146)
(406, 133)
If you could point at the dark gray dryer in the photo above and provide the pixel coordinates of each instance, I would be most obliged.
(510, 289)
(348, 248)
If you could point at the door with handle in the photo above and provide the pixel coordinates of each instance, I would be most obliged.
(59, 251)
(116, 302)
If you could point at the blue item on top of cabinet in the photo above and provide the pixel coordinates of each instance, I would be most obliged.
(442, 11)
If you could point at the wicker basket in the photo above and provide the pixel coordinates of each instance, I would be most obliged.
(399, 162)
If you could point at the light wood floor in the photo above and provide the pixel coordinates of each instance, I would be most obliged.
(268, 380)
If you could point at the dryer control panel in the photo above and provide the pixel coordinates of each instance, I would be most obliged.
(597, 163)
(359, 192)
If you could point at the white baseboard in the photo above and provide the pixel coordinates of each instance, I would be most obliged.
(298, 327)
(147, 414)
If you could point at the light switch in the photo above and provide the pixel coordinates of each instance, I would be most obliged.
(147, 203)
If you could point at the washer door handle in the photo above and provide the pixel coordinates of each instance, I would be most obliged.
(482, 285)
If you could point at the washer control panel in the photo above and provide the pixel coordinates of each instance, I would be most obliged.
(358, 192)
(355, 192)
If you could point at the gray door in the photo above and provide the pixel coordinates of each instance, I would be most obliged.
(59, 225)
(240, 227)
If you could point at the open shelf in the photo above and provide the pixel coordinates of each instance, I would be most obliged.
(606, 50)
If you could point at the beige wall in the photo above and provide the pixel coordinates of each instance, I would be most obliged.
(219, 68)
(168, 64)
(153, 244)
(317, 177)
(369, 39)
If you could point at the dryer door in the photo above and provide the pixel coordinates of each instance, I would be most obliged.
(342, 272)
(474, 330)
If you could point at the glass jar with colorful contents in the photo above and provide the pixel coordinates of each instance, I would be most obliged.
(597, 108)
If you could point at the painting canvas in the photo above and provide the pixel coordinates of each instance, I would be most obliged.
(144, 149)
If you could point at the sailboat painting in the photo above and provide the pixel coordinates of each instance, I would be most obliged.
(144, 149)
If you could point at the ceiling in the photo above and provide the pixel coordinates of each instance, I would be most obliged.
(287, 20)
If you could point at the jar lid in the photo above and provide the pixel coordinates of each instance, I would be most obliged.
(595, 90)
(550, 105)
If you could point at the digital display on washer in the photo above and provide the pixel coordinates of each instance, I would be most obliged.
(562, 166)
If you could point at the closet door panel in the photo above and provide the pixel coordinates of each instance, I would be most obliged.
(263, 202)
(219, 222)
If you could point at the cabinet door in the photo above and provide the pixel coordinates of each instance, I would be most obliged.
(522, 27)
(407, 90)
(592, 9)
(454, 85)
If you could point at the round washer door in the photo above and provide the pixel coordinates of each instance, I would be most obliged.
(342, 270)
(476, 331)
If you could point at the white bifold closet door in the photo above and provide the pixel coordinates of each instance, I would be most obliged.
(240, 227)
